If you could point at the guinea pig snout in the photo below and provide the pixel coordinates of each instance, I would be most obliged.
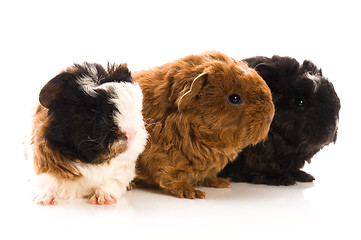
(332, 128)
(269, 120)
(127, 136)
(330, 132)
(123, 137)
(130, 134)
(271, 115)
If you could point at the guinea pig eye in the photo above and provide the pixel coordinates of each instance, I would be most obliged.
(299, 102)
(234, 99)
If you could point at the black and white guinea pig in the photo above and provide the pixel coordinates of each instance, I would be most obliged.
(87, 133)
(306, 119)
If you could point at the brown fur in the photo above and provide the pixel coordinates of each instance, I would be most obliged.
(47, 159)
(194, 131)
(50, 160)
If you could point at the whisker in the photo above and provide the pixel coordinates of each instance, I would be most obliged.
(99, 143)
(299, 145)
(106, 121)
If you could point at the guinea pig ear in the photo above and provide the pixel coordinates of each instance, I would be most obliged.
(308, 66)
(266, 69)
(53, 89)
(188, 96)
(118, 73)
(269, 73)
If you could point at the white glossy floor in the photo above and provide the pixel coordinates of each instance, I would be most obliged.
(327, 208)
(41, 38)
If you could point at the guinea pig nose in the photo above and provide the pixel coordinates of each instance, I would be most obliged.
(123, 136)
(331, 128)
(130, 135)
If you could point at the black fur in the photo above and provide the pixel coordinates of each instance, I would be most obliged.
(305, 121)
(82, 125)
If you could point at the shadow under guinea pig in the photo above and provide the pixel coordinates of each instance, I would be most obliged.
(306, 120)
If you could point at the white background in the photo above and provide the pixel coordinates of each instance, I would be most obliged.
(40, 38)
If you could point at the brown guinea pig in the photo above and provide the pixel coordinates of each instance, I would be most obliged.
(200, 110)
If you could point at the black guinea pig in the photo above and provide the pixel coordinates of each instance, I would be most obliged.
(306, 119)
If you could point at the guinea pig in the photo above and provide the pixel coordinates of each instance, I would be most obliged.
(87, 133)
(200, 111)
(306, 119)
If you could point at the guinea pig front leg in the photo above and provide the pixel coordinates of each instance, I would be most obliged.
(46, 189)
(301, 176)
(178, 185)
(102, 197)
(108, 192)
(217, 182)
(268, 178)
(183, 190)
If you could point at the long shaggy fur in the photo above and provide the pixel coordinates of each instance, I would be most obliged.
(197, 123)
(87, 133)
(306, 119)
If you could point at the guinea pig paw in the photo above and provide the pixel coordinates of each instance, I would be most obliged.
(217, 182)
(100, 198)
(131, 186)
(189, 192)
(301, 176)
(45, 198)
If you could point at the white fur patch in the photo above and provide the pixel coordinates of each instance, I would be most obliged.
(88, 85)
(89, 82)
(244, 67)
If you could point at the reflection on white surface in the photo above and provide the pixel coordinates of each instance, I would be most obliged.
(325, 208)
